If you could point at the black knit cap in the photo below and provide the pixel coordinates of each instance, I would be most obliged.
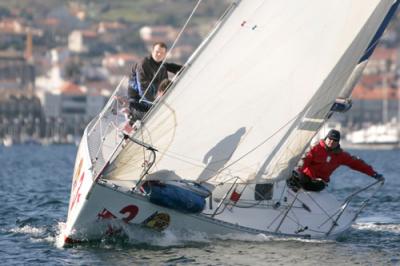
(333, 134)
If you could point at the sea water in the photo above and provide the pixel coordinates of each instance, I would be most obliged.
(35, 184)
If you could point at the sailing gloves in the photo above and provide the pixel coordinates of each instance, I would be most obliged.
(378, 177)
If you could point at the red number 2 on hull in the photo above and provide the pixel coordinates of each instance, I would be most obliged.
(132, 211)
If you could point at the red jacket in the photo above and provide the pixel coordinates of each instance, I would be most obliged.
(320, 162)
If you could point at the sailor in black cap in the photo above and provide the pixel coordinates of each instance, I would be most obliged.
(323, 158)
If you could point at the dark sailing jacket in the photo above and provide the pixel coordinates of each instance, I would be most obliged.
(320, 162)
(143, 73)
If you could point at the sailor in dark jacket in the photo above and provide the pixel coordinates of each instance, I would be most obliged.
(139, 108)
(143, 73)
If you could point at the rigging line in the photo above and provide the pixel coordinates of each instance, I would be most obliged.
(319, 206)
(267, 139)
(175, 155)
(231, 176)
(294, 220)
(285, 188)
(302, 202)
(276, 218)
(316, 231)
(248, 206)
(186, 158)
(259, 145)
(182, 159)
(172, 47)
(143, 149)
(227, 180)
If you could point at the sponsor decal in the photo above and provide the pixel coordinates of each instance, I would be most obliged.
(131, 210)
(105, 214)
(76, 195)
(157, 221)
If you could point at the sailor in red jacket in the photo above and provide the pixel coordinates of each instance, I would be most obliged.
(323, 158)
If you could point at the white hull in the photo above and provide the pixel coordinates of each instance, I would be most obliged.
(101, 208)
(383, 136)
(111, 202)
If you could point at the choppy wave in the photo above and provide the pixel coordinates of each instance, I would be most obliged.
(137, 235)
(59, 237)
(28, 230)
(262, 238)
(32, 233)
(167, 238)
(379, 227)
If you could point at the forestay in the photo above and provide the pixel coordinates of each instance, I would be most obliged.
(252, 100)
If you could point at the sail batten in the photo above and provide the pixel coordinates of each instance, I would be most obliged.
(254, 97)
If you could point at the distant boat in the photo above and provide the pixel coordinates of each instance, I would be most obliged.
(386, 136)
(214, 154)
(8, 141)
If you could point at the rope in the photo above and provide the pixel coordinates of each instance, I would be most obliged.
(189, 160)
(172, 47)
(267, 139)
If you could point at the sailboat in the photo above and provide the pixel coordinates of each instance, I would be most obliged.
(8, 141)
(214, 154)
(379, 136)
(384, 135)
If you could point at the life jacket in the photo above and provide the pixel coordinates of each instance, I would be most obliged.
(135, 90)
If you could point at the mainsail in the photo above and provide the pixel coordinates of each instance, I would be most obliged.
(259, 89)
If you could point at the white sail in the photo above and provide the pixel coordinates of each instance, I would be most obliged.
(255, 96)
